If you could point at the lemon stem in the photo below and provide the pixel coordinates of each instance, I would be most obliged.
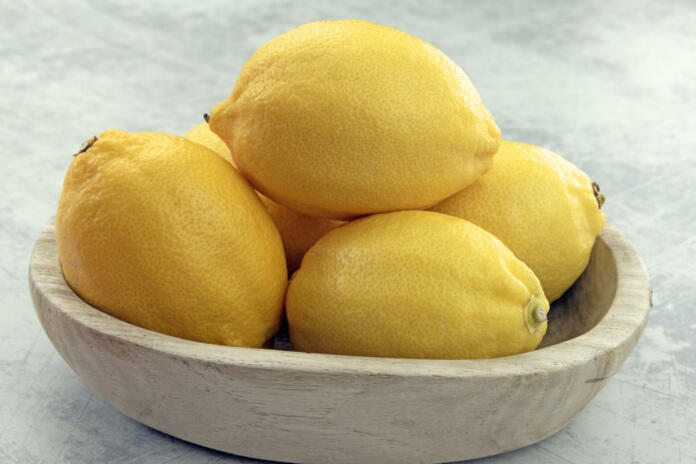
(534, 313)
(206, 117)
(600, 197)
(539, 314)
(86, 145)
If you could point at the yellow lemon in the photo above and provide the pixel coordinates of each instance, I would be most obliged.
(202, 135)
(161, 232)
(414, 284)
(298, 231)
(346, 118)
(545, 209)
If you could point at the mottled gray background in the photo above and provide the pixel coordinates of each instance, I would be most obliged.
(611, 87)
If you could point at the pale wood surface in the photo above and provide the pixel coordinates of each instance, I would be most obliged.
(285, 405)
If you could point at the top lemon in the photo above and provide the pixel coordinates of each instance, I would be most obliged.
(346, 118)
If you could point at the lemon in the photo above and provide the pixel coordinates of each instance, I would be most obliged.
(346, 118)
(545, 209)
(202, 135)
(162, 233)
(298, 231)
(414, 284)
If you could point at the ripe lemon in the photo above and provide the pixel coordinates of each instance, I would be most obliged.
(414, 284)
(542, 207)
(298, 231)
(346, 118)
(202, 135)
(160, 232)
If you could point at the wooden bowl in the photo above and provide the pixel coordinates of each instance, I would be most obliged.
(301, 407)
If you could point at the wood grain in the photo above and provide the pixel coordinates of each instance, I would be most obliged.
(285, 405)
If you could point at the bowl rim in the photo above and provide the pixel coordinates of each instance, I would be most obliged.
(622, 324)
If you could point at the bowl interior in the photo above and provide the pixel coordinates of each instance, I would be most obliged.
(606, 308)
(587, 301)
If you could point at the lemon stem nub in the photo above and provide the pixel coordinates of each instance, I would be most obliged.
(600, 197)
(534, 313)
(539, 314)
(86, 145)
(206, 117)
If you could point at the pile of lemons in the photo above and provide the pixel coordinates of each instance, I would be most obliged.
(361, 162)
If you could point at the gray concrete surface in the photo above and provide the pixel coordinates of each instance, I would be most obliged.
(610, 85)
